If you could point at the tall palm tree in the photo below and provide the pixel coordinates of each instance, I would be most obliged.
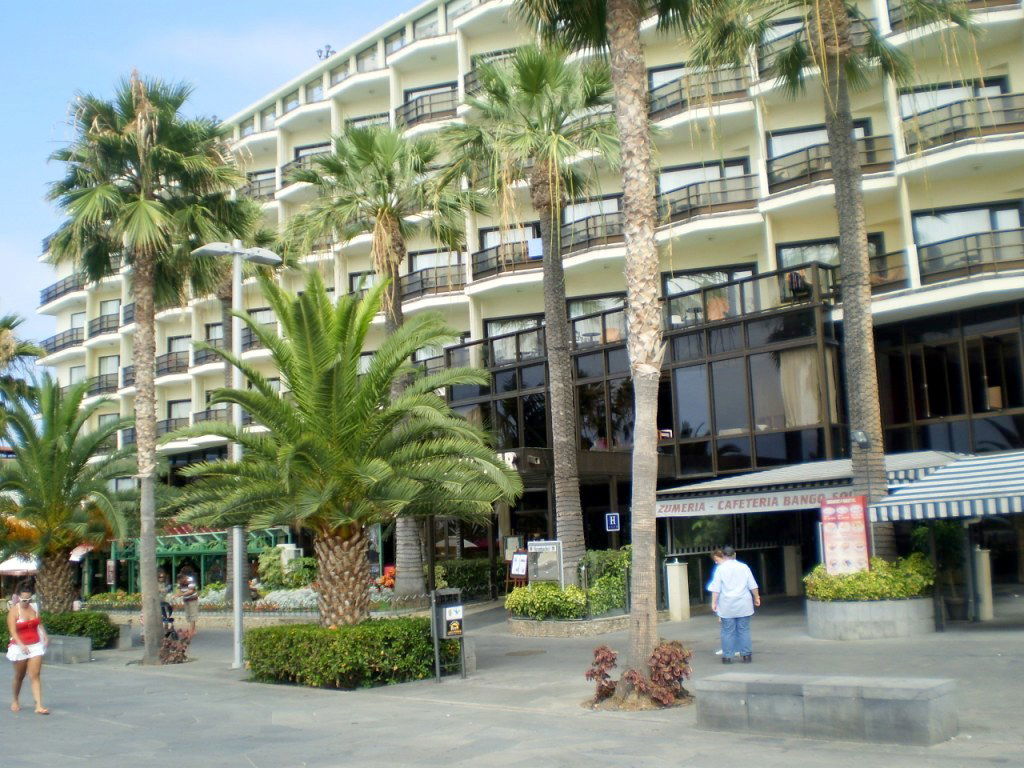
(844, 47)
(614, 26)
(378, 182)
(340, 452)
(145, 183)
(59, 485)
(533, 117)
(14, 351)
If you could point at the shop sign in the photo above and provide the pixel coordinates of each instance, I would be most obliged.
(519, 562)
(612, 522)
(741, 503)
(844, 535)
(111, 572)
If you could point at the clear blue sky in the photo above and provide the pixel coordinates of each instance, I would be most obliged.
(232, 52)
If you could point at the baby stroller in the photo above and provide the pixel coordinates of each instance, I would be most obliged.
(167, 619)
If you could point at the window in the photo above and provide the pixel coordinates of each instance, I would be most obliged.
(262, 316)
(76, 374)
(492, 237)
(781, 28)
(825, 250)
(593, 304)
(785, 389)
(366, 60)
(109, 364)
(179, 409)
(693, 417)
(578, 211)
(339, 73)
(917, 100)
(361, 281)
(77, 320)
(680, 176)
(994, 373)
(593, 417)
(428, 259)
(110, 307)
(455, 8)
(939, 226)
(425, 26)
(248, 128)
(430, 90)
(505, 325)
(793, 140)
(365, 359)
(504, 350)
(106, 418)
(315, 89)
(179, 343)
(394, 42)
(267, 118)
(291, 101)
(729, 385)
(658, 76)
(692, 280)
(124, 484)
(311, 150)
(214, 331)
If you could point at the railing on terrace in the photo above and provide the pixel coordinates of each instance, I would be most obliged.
(471, 82)
(381, 118)
(128, 436)
(433, 280)
(898, 20)
(103, 384)
(506, 349)
(212, 414)
(971, 118)
(730, 193)
(62, 287)
(768, 53)
(814, 163)
(429, 106)
(108, 444)
(300, 164)
(605, 327)
(508, 257)
(888, 272)
(261, 188)
(128, 314)
(128, 376)
(171, 363)
(64, 340)
(601, 229)
(166, 426)
(251, 341)
(201, 356)
(104, 324)
(970, 255)
(697, 88)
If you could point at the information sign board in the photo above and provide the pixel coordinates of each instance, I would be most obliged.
(612, 522)
(545, 561)
(844, 535)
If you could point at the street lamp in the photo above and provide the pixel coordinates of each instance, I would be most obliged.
(267, 258)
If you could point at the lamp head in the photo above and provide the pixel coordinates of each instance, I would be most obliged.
(860, 438)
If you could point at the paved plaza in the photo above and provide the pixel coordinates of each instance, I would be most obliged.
(522, 707)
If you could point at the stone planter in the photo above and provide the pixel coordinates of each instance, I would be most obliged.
(870, 619)
(571, 627)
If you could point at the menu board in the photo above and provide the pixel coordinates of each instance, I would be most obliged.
(844, 535)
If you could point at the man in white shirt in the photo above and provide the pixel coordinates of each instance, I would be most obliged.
(734, 594)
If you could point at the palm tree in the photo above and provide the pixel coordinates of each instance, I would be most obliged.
(534, 116)
(378, 182)
(144, 183)
(843, 46)
(59, 485)
(614, 26)
(340, 452)
(14, 352)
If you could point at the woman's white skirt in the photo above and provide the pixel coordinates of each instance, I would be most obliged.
(14, 652)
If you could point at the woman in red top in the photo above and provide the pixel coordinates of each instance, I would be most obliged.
(28, 644)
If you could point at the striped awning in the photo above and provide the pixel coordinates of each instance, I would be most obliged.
(969, 487)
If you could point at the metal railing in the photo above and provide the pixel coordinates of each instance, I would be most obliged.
(698, 88)
(203, 356)
(898, 20)
(433, 280)
(128, 376)
(103, 384)
(508, 257)
(728, 193)
(128, 314)
(971, 118)
(429, 106)
(251, 341)
(888, 272)
(794, 169)
(506, 349)
(598, 328)
(166, 426)
(261, 188)
(768, 53)
(301, 163)
(970, 255)
(471, 81)
(171, 363)
(600, 229)
(381, 118)
(62, 287)
(104, 324)
(72, 337)
(212, 414)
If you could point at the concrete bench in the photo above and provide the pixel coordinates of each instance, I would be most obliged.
(66, 649)
(876, 709)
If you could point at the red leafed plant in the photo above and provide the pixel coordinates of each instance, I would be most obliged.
(669, 666)
(604, 660)
(174, 648)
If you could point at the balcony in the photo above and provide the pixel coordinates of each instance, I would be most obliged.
(509, 257)
(104, 384)
(710, 196)
(899, 22)
(471, 81)
(432, 281)
(64, 340)
(602, 229)
(698, 89)
(507, 349)
(172, 363)
(810, 164)
(968, 119)
(212, 414)
(301, 164)
(888, 272)
(61, 288)
(768, 53)
(261, 188)
(128, 436)
(251, 341)
(128, 314)
(599, 328)
(104, 324)
(971, 255)
(204, 356)
(428, 107)
(128, 376)
(108, 444)
(381, 118)
(166, 426)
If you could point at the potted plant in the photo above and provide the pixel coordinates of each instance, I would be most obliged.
(949, 560)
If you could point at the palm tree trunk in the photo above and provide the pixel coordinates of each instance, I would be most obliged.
(869, 478)
(564, 433)
(643, 313)
(144, 357)
(55, 582)
(343, 576)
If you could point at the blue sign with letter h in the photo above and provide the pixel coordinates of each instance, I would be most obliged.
(611, 522)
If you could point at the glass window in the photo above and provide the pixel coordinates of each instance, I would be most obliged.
(106, 418)
(109, 364)
(593, 429)
(936, 375)
(248, 128)
(214, 331)
(267, 118)
(365, 359)
(784, 142)
(590, 366)
(361, 281)
(315, 89)
(366, 59)
(179, 343)
(785, 389)
(425, 26)
(428, 259)
(77, 320)
(659, 76)
(684, 175)
(478, 414)
(729, 382)
(291, 101)
(262, 316)
(491, 238)
(532, 376)
(683, 282)
(395, 41)
(688, 347)
(535, 421)
(725, 339)
(790, 447)
(929, 97)
(692, 411)
(994, 373)
(339, 73)
(620, 400)
(734, 453)
(695, 458)
(825, 250)
(179, 409)
(506, 422)
(892, 385)
(937, 226)
(110, 307)
(578, 211)
(76, 374)
(772, 330)
(503, 350)
(505, 381)
(455, 8)
(1001, 433)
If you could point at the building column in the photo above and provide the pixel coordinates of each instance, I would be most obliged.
(907, 228)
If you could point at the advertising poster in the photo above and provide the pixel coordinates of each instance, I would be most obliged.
(844, 535)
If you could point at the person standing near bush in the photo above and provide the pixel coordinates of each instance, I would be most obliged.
(26, 649)
(189, 596)
(734, 595)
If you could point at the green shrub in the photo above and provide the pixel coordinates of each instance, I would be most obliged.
(76, 623)
(907, 577)
(602, 562)
(468, 575)
(118, 599)
(376, 652)
(606, 594)
(300, 572)
(545, 600)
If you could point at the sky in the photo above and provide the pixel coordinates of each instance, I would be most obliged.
(231, 52)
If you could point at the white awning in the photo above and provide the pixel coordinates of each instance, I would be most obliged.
(968, 487)
(19, 566)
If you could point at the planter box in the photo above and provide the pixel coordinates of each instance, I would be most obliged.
(571, 627)
(870, 619)
(65, 649)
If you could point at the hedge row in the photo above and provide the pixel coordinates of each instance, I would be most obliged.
(468, 575)
(907, 577)
(79, 624)
(376, 652)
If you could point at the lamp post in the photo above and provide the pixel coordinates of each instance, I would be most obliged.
(268, 258)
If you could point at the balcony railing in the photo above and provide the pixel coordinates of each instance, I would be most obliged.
(128, 436)
(171, 363)
(971, 118)
(429, 106)
(64, 340)
(898, 17)
(810, 164)
(204, 356)
(509, 257)
(212, 414)
(104, 324)
(726, 194)
(698, 88)
(888, 272)
(62, 287)
(166, 426)
(103, 384)
(471, 82)
(300, 164)
(768, 53)
(261, 188)
(381, 118)
(602, 229)
(128, 376)
(507, 349)
(433, 280)
(251, 341)
(108, 444)
(598, 328)
(970, 255)
(128, 314)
